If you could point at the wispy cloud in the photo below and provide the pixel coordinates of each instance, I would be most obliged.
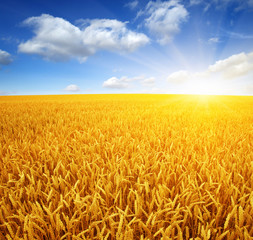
(237, 35)
(213, 40)
(117, 70)
(5, 58)
(124, 82)
(195, 2)
(148, 82)
(3, 93)
(9, 40)
(236, 5)
(58, 40)
(132, 5)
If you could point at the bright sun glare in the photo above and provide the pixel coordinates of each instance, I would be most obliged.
(206, 87)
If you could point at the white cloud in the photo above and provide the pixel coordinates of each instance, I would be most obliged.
(237, 35)
(58, 40)
(124, 82)
(132, 5)
(195, 2)
(5, 58)
(164, 19)
(233, 5)
(114, 82)
(214, 40)
(178, 77)
(72, 88)
(236, 4)
(215, 79)
(235, 66)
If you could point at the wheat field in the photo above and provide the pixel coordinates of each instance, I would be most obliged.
(126, 167)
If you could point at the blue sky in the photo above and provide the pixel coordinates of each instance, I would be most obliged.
(91, 46)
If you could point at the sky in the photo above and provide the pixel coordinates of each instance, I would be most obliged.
(116, 46)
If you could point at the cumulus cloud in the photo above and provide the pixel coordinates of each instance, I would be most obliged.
(227, 76)
(235, 66)
(164, 19)
(5, 58)
(58, 40)
(124, 82)
(178, 77)
(114, 82)
(72, 88)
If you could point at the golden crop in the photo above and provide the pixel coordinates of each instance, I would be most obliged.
(126, 167)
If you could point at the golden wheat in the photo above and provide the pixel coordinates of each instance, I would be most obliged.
(126, 167)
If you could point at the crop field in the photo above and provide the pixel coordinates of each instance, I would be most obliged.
(126, 167)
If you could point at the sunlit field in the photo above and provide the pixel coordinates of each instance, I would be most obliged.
(126, 167)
